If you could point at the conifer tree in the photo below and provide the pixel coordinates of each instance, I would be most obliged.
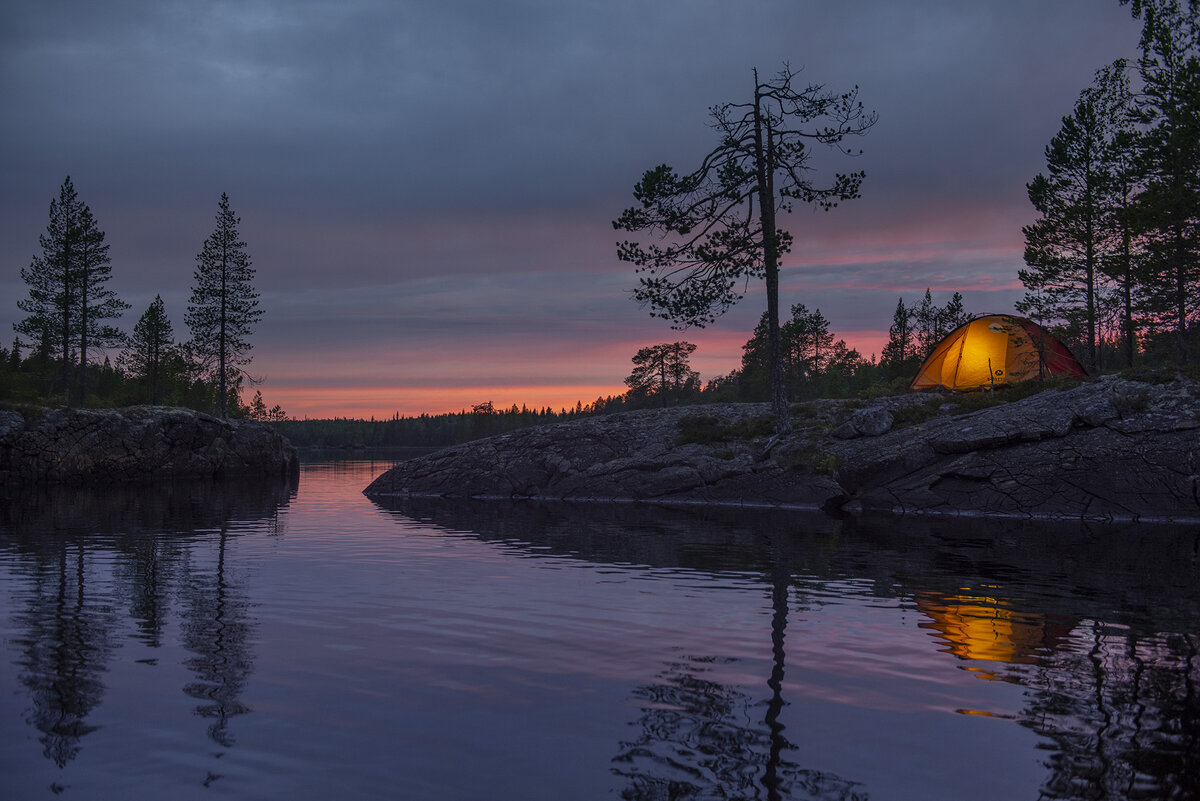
(755, 378)
(97, 303)
(146, 355)
(1169, 157)
(901, 345)
(258, 407)
(663, 371)
(1065, 246)
(68, 301)
(223, 308)
(931, 323)
(717, 227)
(807, 345)
(954, 313)
(1122, 260)
(927, 324)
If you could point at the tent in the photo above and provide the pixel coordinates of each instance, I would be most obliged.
(993, 350)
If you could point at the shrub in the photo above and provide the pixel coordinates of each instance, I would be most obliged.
(886, 389)
(707, 428)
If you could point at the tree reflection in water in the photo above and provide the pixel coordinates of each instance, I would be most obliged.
(66, 648)
(216, 629)
(1119, 704)
(1097, 628)
(1123, 713)
(1096, 624)
(704, 740)
(85, 552)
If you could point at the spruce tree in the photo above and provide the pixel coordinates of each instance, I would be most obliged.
(807, 345)
(897, 357)
(223, 308)
(1122, 260)
(146, 355)
(68, 301)
(97, 302)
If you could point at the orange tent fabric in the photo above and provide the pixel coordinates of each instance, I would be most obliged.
(994, 350)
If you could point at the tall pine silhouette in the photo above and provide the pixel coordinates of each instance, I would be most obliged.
(223, 308)
(68, 302)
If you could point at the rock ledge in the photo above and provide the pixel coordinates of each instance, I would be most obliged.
(135, 444)
(1109, 449)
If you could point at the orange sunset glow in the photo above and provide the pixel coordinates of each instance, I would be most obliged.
(380, 403)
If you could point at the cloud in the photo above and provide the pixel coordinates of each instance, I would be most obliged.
(421, 183)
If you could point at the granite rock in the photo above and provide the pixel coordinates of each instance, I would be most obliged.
(1108, 449)
(135, 444)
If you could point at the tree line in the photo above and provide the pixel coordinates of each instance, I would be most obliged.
(59, 355)
(817, 364)
(433, 430)
(1113, 260)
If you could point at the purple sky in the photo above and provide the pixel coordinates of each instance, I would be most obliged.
(427, 189)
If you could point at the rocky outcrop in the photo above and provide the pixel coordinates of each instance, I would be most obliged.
(625, 456)
(135, 444)
(1109, 449)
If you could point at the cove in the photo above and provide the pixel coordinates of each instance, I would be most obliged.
(299, 640)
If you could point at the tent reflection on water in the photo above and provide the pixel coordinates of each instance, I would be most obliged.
(982, 628)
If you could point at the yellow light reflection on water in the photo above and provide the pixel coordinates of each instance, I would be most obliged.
(984, 628)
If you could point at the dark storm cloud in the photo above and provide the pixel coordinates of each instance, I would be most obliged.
(453, 105)
(476, 151)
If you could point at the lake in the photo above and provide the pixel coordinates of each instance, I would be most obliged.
(304, 642)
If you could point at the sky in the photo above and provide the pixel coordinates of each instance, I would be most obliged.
(427, 188)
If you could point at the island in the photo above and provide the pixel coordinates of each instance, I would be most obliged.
(138, 443)
(1108, 449)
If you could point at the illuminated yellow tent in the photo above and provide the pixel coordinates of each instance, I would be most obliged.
(993, 350)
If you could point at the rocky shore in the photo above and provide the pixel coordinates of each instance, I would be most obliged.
(1109, 449)
(136, 444)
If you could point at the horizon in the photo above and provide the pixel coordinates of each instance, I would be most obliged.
(430, 220)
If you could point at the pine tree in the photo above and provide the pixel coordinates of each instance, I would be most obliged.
(754, 382)
(716, 228)
(97, 302)
(68, 301)
(901, 345)
(223, 308)
(258, 408)
(153, 342)
(927, 325)
(663, 371)
(1122, 260)
(1064, 248)
(1169, 156)
(806, 343)
(954, 314)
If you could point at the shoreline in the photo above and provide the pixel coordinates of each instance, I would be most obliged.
(1104, 451)
(136, 443)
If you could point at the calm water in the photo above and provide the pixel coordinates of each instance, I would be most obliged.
(295, 643)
